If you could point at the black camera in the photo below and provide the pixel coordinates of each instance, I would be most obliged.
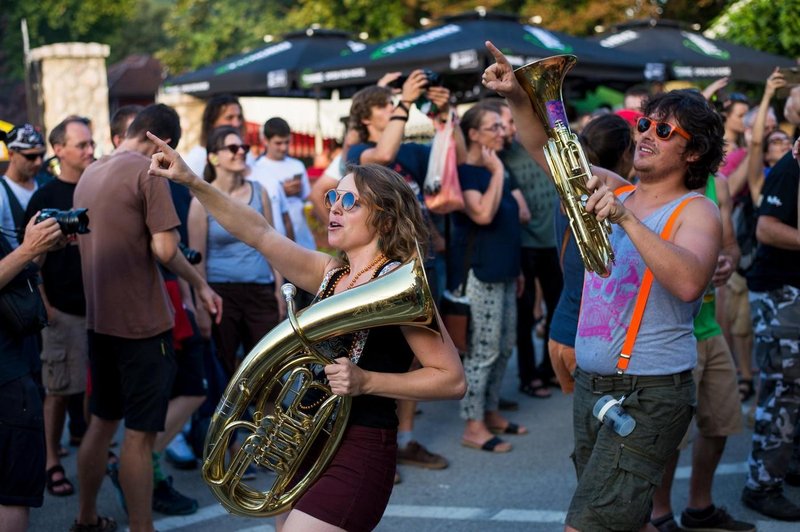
(71, 222)
(192, 255)
(434, 80)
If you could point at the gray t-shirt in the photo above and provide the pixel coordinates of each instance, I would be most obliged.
(665, 343)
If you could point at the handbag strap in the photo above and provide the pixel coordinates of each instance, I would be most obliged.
(17, 212)
(644, 291)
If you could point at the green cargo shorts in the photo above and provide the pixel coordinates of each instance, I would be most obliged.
(618, 475)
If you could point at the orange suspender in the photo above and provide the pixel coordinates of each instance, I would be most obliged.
(644, 292)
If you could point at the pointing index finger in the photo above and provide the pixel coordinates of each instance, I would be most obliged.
(160, 143)
(497, 54)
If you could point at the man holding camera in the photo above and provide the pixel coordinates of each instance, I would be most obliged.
(128, 314)
(64, 348)
(664, 230)
(22, 469)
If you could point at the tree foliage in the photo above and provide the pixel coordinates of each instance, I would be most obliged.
(764, 25)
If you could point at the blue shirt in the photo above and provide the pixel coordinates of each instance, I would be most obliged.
(496, 246)
(411, 162)
(565, 317)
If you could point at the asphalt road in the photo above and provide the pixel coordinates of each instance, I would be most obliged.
(528, 489)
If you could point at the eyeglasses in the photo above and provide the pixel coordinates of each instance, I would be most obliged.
(494, 128)
(779, 139)
(31, 156)
(349, 200)
(664, 130)
(234, 148)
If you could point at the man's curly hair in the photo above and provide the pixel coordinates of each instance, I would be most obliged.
(361, 108)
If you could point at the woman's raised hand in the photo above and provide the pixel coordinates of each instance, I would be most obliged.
(774, 82)
(167, 163)
(490, 160)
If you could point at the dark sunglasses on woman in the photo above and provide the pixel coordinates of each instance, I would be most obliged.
(234, 148)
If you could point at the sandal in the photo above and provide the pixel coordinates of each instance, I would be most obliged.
(104, 524)
(511, 428)
(490, 445)
(538, 391)
(746, 389)
(60, 487)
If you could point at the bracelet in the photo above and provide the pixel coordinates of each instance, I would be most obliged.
(397, 117)
(404, 107)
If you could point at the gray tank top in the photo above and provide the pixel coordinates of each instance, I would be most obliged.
(665, 343)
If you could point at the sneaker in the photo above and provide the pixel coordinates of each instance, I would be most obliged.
(167, 500)
(112, 470)
(179, 454)
(771, 503)
(719, 520)
(666, 523)
(415, 454)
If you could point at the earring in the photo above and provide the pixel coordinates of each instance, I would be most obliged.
(213, 159)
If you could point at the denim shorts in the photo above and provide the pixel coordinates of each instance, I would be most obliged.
(618, 475)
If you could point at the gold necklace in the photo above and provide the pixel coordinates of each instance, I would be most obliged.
(369, 266)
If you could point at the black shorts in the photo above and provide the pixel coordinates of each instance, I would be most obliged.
(22, 448)
(190, 379)
(132, 378)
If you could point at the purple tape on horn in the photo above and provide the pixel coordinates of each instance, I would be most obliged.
(556, 112)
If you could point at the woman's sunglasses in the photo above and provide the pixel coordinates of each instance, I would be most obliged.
(664, 130)
(234, 148)
(349, 199)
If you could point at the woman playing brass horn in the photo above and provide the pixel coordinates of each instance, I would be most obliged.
(374, 222)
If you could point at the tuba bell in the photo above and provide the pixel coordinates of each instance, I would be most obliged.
(569, 168)
(297, 423)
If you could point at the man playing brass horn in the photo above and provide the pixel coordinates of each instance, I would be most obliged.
(680, 144)
(374, 221)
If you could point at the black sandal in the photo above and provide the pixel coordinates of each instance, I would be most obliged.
(539, 392)
(53, 484)
(104, 524)
(746, 389)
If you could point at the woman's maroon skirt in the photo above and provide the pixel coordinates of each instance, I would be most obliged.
(353, 491)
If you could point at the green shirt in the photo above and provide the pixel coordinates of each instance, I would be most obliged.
(705, 323)
(539, 192)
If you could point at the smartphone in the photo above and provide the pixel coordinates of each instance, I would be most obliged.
(792, 77)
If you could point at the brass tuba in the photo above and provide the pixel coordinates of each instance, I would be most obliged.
(297, 422)
(569, 168)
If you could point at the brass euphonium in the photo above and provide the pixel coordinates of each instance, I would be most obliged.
(569, 168)
(297, 422)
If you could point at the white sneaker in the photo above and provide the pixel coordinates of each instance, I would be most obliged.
(180, 454)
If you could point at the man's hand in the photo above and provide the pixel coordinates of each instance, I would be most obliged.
(414, 86)
(723, 272)
(42, 237)
(604, 203)
(499, 77)
(344, 377)
(293, 186)
(387, 78)
(211, 301)
(440, 97)
(167, 163)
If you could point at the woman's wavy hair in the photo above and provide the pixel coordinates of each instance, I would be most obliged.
(605, 140)
(361, 107)
(216, 142)
(396, 213)
(694, 114)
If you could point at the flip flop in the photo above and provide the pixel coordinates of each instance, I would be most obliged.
(511, 428)
(489, 445)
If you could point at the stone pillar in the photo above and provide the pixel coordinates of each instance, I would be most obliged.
(190, 110)
(74, 81)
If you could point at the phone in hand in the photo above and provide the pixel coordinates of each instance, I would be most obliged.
(792, 77)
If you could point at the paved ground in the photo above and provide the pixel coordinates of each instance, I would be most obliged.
(527, 489)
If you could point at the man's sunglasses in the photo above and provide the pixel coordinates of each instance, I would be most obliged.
(31, 156)
(234, 148)
(349, 199)
(664, 130)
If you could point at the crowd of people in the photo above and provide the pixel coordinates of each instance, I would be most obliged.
(150, 312)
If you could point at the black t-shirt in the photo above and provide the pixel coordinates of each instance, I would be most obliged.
(775, 267)
(63, 283)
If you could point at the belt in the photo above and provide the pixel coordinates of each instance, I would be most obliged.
(600, 384)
